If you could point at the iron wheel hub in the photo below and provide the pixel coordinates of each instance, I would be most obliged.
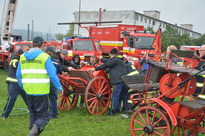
(148, 129)
(99, 96)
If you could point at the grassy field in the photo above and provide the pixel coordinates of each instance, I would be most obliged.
(75, 122)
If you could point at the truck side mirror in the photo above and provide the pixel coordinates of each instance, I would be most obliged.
(126, 33)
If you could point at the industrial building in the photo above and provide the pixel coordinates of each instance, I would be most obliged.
(148, 18)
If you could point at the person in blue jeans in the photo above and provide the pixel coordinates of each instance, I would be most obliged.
(117, 70)
(53, 90)
(13, 88)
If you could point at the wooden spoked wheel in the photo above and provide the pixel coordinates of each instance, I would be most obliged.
(67, 100)
(178, 130)
(97, 96)
(149, 121)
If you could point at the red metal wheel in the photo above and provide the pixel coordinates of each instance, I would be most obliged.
(97, 96)
(149, 121)
(191, 88)
(168, 83)
(67, 100)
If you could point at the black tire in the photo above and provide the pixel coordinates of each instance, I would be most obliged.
(6, 65)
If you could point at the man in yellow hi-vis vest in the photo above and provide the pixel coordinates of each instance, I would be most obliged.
(34, 72)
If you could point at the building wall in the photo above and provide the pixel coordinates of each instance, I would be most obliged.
(129, 17)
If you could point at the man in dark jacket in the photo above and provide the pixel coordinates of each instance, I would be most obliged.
(127, 103)
(66, 65)
(117, 70)
(13, 88)
(53, 90)
(200, 78)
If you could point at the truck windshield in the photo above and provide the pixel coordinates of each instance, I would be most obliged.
(144, 43)
(85, 45)
(20, 46)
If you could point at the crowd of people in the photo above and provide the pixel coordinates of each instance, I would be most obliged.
(34, 75)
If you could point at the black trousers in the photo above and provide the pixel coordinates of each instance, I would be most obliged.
(40, 110)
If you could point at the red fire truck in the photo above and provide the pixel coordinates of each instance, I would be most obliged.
(8, 42)
(131, 41)
(78, 45)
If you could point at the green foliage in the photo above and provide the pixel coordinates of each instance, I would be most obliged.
(171, 36)
(149, 28)
(200, 41)
(70, 31)
(59, 36)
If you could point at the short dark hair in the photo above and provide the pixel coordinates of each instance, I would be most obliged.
(93, 56)
(37, 45)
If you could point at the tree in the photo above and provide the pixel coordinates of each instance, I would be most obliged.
(70, 31)
(199, 41)
(171, 36)
(149, 28)
(59, 36)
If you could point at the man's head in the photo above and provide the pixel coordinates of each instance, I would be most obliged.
(171, 47)
(26, 47)
(53, 47)
(64, 53)
(92, 59)
(38, 42)
(49, 51)
(76, 59)
(113, 52)
(202, 51)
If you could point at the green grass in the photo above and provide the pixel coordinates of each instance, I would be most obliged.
(75, 122)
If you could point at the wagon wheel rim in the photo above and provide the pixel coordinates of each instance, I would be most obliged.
(149, 120)
(97, 96)
(179, 130)
(67, 101)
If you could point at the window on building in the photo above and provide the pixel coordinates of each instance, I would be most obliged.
(153, 22)
(149, 21)
(137, 18)
(141, 19)
(145, 19)
(163, 25)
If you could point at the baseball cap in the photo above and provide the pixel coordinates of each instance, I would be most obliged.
(38, 39)
(64, 51)
(49, 49)
(53, 47)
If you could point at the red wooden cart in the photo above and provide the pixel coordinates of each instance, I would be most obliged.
(160, 114)
(93, 87)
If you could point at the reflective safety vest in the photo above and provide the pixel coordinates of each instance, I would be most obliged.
(133, 72)
(199, 86)
(35, 78)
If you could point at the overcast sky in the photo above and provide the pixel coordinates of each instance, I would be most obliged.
(47, 14)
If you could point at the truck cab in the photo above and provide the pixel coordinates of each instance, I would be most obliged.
(82, 46)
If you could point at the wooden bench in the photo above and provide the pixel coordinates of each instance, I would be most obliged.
(137, 82)
(195, 104)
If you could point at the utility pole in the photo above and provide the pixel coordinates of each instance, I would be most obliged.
(79, 16)
(32, 31)
(50, 33)
(28, 33)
